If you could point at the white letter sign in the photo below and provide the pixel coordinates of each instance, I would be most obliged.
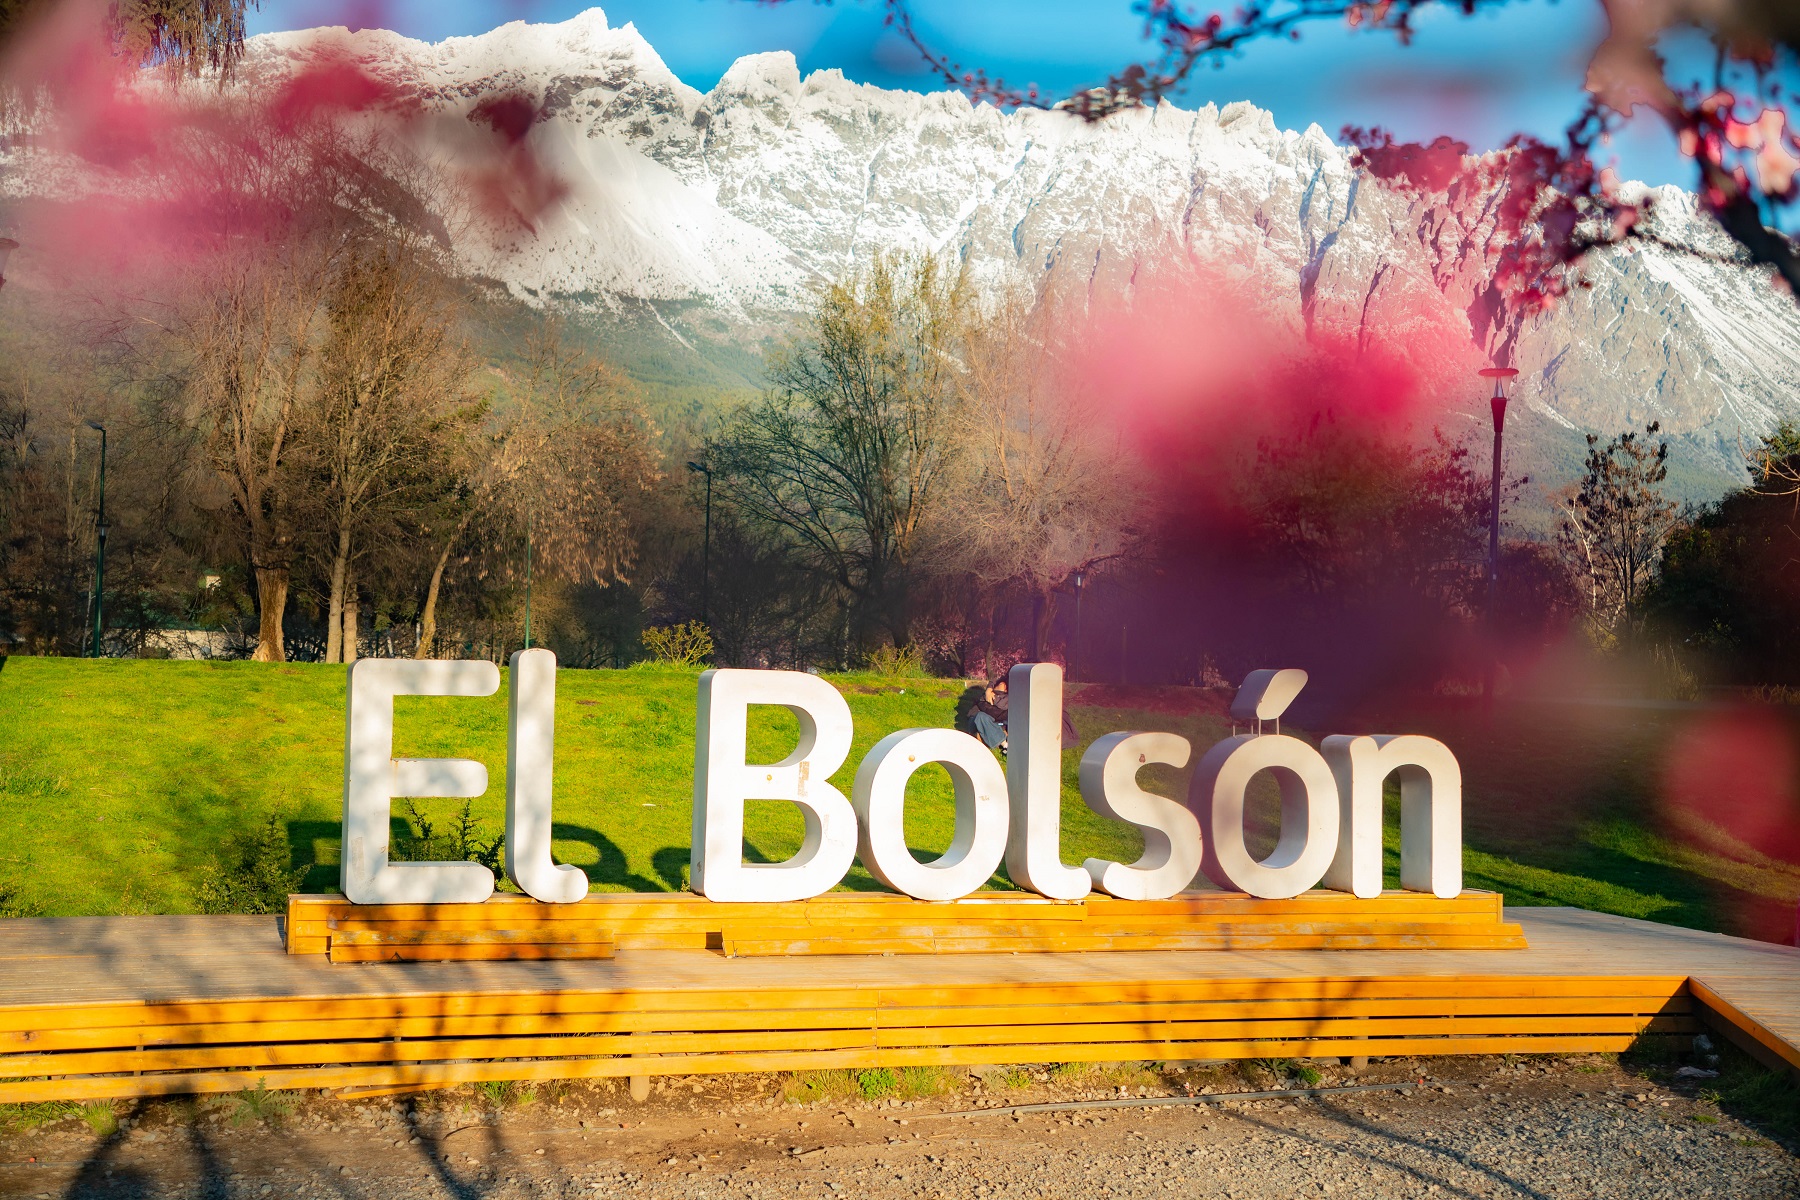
(979, 840)
(1331, 801)
(1034, 784)
(530, 753)
(1171, 856)
(373, 777)
(1309, 815)
(723, 780)
(1430, 813)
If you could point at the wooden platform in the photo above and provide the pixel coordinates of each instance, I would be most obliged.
(134, 1006)
(512, 926)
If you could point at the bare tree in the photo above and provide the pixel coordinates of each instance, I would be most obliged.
(392, 391)
(267, 207)
(1041, 487)
(558, 463)
(184, 36)
(846, 457)
(249, 335)
(1775, 462)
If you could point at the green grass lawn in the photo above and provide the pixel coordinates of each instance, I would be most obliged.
(1563, 805)
(120, 779)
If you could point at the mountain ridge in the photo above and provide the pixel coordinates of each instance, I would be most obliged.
(703, 222)
(771, 182)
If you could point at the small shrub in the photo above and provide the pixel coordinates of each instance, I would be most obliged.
(688, 644)
(1277, 1067)
(21, 1117)
(505, 1093)
(898, 662)
(919, 1083)
(876, 1083)
(257, 1103)
(1770, 1099)
(1123, 1074)
(1014, 1079)
(811, 1087)
(13, 902)
(1772, 693)
(462, 842)
(1307, 1076)
(255, 874)
(100, 1117)
(1671, 678)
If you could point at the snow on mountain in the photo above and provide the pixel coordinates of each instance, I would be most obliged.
(736, 202)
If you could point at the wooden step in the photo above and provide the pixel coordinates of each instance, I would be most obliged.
(462, 945)
(881, 923)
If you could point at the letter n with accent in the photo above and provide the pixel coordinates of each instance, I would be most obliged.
(1430, 813)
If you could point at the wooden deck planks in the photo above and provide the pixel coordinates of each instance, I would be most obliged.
(214, 1004)
(443, 1074)
(1761, 1016)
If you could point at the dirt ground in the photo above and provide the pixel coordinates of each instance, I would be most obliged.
(1465, 1127)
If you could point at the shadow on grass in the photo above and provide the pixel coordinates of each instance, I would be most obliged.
(671, 864)
(609, 865)
(1606, 879)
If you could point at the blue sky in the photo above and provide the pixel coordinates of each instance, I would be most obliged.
(1477, 78)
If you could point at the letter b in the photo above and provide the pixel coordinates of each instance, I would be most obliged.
(723, 781)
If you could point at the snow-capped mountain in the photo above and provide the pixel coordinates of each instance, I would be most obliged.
(718, 212)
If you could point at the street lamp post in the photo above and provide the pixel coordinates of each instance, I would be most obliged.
(1075, 647)
(528, 579)
(100, 549)
(705, 547)
(1497, 404)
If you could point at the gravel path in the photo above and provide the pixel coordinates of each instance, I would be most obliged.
(1476, 1127)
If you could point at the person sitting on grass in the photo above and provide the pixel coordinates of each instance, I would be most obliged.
(981, 713)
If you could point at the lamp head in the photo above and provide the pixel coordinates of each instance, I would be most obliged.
(699, 468)
(95, 425)
(1497, 402)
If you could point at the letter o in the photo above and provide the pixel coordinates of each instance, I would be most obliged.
(879, 797)
(1309, 815)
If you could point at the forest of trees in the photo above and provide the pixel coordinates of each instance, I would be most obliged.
(315, 453)
(324, 442)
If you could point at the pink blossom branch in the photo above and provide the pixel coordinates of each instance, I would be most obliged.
(1745, 149)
